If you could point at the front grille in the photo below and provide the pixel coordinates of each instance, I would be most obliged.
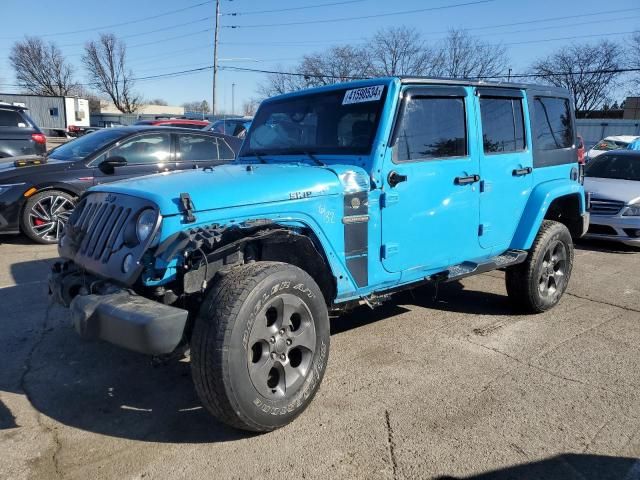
(101, 233)
(603, 206)
(103, 222)
(596, 229)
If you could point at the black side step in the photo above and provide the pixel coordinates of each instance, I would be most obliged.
(466, 269)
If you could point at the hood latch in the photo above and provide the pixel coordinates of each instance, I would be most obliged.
(187, 207)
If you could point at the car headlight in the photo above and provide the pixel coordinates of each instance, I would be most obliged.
(632, 211)
(145, 224)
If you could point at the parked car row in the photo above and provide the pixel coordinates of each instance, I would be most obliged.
(38, 193)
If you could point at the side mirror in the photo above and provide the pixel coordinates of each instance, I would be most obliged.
(109, 165)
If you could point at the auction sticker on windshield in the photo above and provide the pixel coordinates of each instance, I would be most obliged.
(365, 94)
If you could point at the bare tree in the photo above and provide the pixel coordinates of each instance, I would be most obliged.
(279, 83)
(634, 60)
(105, 61)
(338, 64)
(249, 107)
(587, 70)
(41, 68)
(460, 55)
(399, 51)
(197, 106)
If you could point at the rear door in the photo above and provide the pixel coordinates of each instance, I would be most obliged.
(506, 164)
(193, 151)
(145, 154)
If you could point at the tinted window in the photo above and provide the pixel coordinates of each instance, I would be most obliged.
(154, 148)
(11, 118)
(196, 148)
(432, 128)
(81, 147)
(334, 122)
(610, 165)
(552, 123)
(502, 125)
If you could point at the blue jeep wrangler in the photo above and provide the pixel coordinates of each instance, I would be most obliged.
(340, 196)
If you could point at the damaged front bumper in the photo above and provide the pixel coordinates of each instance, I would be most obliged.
(102, 310)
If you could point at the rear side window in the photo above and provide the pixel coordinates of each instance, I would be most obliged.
(11, 118)
(195, 148)
(502, 125)
(431, 128)
(552, 126)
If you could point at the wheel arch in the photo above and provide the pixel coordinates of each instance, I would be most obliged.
(559, 200)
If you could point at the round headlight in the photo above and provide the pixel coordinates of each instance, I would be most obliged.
(144, 225)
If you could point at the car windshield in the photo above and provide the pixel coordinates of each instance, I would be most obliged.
(610, 145)
(341, 121)
(83, 146)
(620, 167)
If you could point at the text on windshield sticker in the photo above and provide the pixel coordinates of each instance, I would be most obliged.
(365, 94)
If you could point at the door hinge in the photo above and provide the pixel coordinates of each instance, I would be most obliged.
(389, 198)
(481, 186)
(480, 230)
(389, 249)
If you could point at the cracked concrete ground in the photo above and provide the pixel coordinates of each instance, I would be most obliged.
(458, 388)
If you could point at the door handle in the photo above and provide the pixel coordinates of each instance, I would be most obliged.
(467, 180)
(520, 172)
(395, 178)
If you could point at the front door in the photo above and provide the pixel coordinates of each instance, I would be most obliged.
(430, 202)
(145, 154)
(505, 165)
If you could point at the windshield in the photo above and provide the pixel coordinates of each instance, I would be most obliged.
(341, 121)
(87, 144)
(620, 167)
(610, 145)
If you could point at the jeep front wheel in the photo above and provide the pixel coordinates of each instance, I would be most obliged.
(260, 345)
(537, 284)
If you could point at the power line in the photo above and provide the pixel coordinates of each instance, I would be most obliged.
(319, 5)
(569, 38)
(114, 25)
(363, 17)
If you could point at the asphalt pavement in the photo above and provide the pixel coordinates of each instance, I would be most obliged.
(456, 387)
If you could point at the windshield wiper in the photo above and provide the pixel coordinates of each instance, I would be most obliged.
(257, 155)
(315, 159)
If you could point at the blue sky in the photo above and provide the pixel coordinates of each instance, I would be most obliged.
(183, 40)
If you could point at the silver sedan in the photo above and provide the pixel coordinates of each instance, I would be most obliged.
(613, 182)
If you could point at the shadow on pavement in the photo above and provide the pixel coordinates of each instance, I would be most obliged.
(564, 467)
(7, 420)
(100, 388)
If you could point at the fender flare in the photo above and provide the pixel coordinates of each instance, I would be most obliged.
(537, 206)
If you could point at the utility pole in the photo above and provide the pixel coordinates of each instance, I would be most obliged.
(215, 58)
(233, 99)
(509, 76)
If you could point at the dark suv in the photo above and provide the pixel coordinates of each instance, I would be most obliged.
(19, 135)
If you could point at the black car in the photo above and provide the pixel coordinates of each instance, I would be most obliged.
(37, 194)
(19, 135)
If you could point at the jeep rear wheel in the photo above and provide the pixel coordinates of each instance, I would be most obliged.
(260, 345)
(538, 284)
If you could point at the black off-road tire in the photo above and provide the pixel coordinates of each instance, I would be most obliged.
(229, 354)
(550, 260)
(50, 207)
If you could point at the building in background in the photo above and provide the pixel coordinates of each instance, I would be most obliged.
(631, 108)
(54, 115)
(108, 108)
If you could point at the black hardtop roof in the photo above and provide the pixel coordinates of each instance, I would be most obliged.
(482, 83)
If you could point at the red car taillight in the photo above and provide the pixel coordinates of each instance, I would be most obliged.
(39, 138)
